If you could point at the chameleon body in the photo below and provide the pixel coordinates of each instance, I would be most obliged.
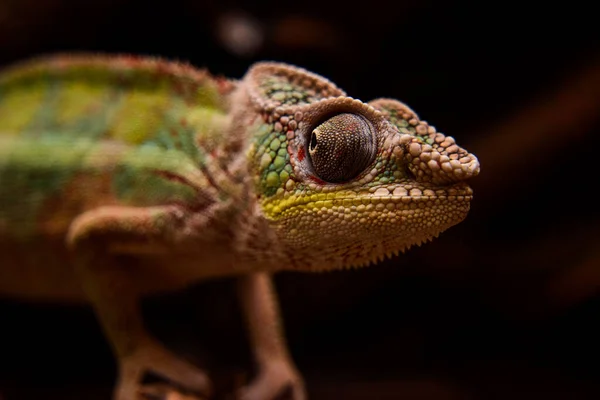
(123, 176)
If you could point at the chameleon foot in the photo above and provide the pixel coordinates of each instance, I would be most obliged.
(162, 391)
(154, 358)
(274, 379)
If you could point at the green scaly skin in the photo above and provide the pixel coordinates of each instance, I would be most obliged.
(122, 176)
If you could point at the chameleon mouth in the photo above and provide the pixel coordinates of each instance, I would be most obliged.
(457, 192)
(392, 197)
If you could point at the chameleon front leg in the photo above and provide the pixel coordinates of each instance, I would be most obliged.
(276, 370)
(102, 241)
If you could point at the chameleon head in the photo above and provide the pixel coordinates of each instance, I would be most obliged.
(344, 183)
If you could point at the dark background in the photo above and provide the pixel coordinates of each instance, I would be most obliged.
(504, 305)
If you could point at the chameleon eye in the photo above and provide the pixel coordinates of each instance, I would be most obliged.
(342, 147)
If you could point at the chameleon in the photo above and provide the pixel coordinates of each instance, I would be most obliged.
(124, 176)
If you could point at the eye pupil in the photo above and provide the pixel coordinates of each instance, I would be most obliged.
(313, 141)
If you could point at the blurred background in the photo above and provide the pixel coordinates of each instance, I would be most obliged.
(504, 305)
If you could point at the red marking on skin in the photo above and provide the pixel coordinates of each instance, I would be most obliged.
(301, 154)
(163, 69)
(132, 60)
(224, 86)
(316, 180)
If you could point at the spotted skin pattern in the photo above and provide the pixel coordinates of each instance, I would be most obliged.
(123, 176)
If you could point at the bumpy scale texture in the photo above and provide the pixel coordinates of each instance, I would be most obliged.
(411, 191)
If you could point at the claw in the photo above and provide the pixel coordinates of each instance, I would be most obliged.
(154, 358)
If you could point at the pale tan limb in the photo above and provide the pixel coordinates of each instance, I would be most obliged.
(276, 370)
(99, 241)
